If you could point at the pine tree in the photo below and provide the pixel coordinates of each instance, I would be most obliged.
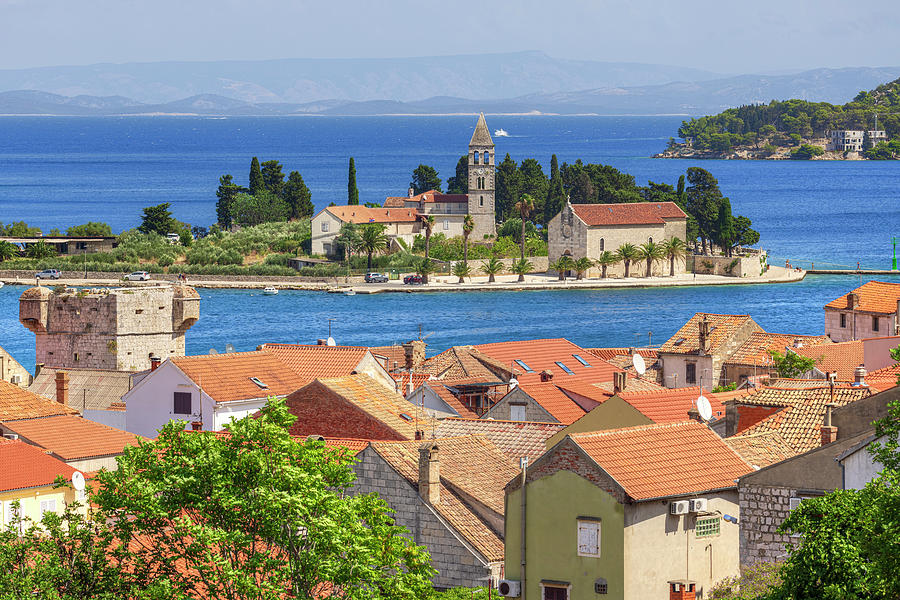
(225, 194)
(459, 183)
(352, 190)
(556, 198)
(298, 196)
(257, 183)
(273, 177)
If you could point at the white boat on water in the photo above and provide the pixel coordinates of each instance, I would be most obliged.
(1, 284)
(350, 292)
(501, 133)
(270, 290)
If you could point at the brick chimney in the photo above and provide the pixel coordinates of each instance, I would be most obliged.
(704, 336)
(62, 387)
(414, 354)
(682, 590)
(852, 300)
(154, 363)
(196, 425)
(829, 432)
(619, 381)
(429, 473)
(546, 375)
(859, 376)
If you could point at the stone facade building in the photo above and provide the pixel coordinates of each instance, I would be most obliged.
(871, 310)
(12, 371)
(118, 329)
(481, 180)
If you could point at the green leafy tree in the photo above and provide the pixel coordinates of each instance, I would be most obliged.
(8, 250)
(554, 167)
(461, 270)
(534, 183)
(521, 268)
(674, 249)
(791, 365)
(424, 179)
(348, 239)
(605, 260)
(257, 183)
(468, 227)
(19, 229)
(756, 582)
(273, 177)
(492, 267)
(806, 152)
(627, 253)
(724, 231)
(703, 200)
(158, 219)
(265, 207)
(650, 252)
(352, 190)
(562, 266)
(556, 197)
(582, 266)
(372, 239)
(228, 189)
(90, 229)
(459, 183)
(297, 196)
(524, 207)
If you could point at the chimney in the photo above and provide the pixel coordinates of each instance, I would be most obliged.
(62, 387)
(852, 300)
(321, 342)
(414, 354)
(619, 381)
(429, 473)
(859, 376)
(829, 432)
(731, 417)
(154, 363)
(546, 375)
(694, 414)
(411, 192)
(704, 336)
(196, 425)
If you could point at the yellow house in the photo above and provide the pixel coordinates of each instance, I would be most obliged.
(637, 513)
(27, 476)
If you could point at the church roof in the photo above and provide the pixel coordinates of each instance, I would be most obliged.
(481, 136)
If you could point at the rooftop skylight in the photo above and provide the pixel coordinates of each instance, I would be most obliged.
(564, 368)
(524, 366)
(579, 358)
(257, 381)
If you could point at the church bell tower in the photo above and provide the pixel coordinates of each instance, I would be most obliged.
(482, 163)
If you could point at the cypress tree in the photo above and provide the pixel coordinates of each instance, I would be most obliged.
(554, 167)
(298, 196)
(352, 190)
(257, 183)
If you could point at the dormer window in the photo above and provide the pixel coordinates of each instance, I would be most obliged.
(257, 381)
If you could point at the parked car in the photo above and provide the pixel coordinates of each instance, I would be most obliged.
(138, 276)
(376, 278)
(413, 280)
(47, 274)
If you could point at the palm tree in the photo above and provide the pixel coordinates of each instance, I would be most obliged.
(651, 252)
(524, 207)
(563, 265)
(462, 270)
(626, 253)
(372, 239)
(521, 268)
(468, 227)
(428, 223)
(8, 250)
(606, 259)
(582, 265)
(674, 249)
(425, 267)
(40, 250)
(492, 267)
(348, 237)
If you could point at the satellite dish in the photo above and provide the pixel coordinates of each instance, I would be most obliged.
(639, 365)
(229, 348)
(704, 408)
(330, 341)
(213, 351)
(78, 481)
(513, 383)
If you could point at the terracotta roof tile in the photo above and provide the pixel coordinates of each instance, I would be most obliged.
(353, 445)
(88, 388)
(755, 351)
(672, 405)
(227, 377)
(658, 461)
(450, 398)
(722, 328)
(516, 439)
(364, 214)
(761, 449)
(842, 357)
(884, 378)
(317, 362)
(391, 354)
(469, 465)
(878, 297)
(552, 399)
(541, 355)
(70, 437)
(611, 353)
(460, 362)
(632, 213)
(19, 403)
(25, 466)
(395, 202)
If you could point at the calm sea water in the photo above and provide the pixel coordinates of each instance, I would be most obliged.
(58, 171)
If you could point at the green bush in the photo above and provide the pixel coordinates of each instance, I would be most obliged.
(279, 259)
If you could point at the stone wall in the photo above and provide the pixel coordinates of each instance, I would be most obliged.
(539, 264)
(534, 412)
(456, 563)
(752, 265)
(763, 509)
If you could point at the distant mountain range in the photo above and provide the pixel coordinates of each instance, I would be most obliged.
(526, 82)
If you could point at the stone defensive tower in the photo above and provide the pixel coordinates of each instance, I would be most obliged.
(118, 329)
(482, 162)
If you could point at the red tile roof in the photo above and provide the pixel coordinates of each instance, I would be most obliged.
(70, 437)
(458, 362)
(364, 214)
(318, 362)
(842, 357)
(659, 461)
(516, 439)
(541, 355)
(755, 351)
(761, 449)
(722, 329)
(395, 202)
(884, 378)
(672, 405)
(25, 466)
(227, 377)
(878, 297)
(552, 399)
(632, 213)
(611, 353)
(19, 403)
(450, 399)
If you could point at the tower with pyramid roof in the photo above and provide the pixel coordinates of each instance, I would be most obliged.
(481, 180)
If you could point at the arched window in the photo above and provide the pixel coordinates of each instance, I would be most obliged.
(487, 158)
(602, 244)
(475, 155)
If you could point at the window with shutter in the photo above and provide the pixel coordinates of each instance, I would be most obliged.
(517, 412)
(588, 538)
(48, 506)
(182, 403)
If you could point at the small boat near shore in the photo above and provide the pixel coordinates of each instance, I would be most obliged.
(270, 290)
(350, 292)
(501, 133)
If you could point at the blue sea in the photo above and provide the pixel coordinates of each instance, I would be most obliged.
(58, 171)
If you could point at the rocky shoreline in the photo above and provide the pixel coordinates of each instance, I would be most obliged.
(752, 153)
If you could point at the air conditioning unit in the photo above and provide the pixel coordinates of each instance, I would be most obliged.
(510, 589)
(680, 507)
(698, 505)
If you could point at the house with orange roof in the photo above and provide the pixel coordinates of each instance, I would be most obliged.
(439, 396)
(845, 358)
(871, 310)
(752, 361)
(27, 482)
(400, 223)
(19, 403)
(531, 360)
(581, 230)
(516, 439)
(634, 513)
(697, 353)
(448, 493)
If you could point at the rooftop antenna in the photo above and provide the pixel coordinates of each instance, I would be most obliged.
(330, 341)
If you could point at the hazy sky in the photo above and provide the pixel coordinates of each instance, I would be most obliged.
(721, 35)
